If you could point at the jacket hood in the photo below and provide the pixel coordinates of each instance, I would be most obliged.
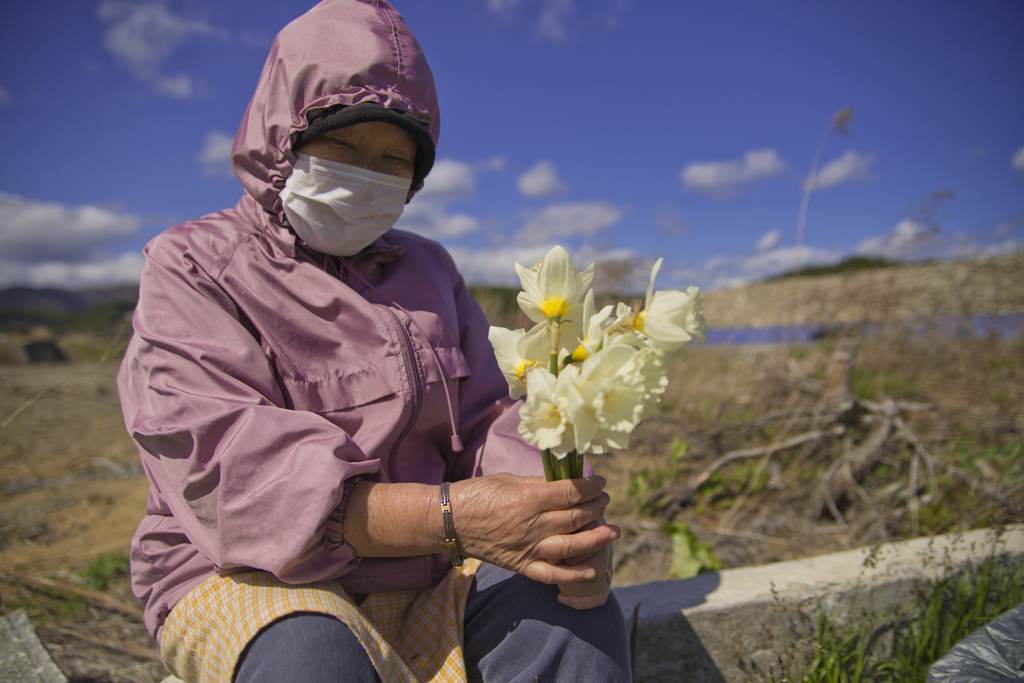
(341, 52)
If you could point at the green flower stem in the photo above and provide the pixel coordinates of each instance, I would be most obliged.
(565, 468)
(545, 457)
(556, 336)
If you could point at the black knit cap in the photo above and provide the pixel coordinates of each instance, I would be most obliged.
(325, 120)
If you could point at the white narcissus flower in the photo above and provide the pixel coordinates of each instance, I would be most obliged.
(517, 351)
(615, 399)
(547, 417)
(593, 324)
(671, 318)
(512, 365)
(648, 366)
(552, 287)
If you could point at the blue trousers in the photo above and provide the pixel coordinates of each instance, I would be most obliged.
(515, 630)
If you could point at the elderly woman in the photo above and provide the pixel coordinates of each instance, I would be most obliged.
(322, 421)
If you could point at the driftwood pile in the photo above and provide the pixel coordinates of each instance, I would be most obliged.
(816, 485)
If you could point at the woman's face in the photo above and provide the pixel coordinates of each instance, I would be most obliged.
(374, 145)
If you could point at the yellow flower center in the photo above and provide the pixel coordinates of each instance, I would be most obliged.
(639, 324)
(523, 368)
(580, 354)
(556, 306)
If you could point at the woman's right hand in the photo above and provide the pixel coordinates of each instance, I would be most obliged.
(529, 525)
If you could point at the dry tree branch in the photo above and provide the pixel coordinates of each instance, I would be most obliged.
(724, 522)
(48, 585)
(834, 509)
(682, 495)
(740, 533)
(911, 437)
(859, 460)
(127, 648)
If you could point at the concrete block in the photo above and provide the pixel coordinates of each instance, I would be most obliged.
(23, 657)
(732, 625)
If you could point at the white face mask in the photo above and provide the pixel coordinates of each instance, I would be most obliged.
(338, 208)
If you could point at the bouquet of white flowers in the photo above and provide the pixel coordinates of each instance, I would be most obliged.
(589, 376)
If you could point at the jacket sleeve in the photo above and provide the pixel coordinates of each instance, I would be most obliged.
(252, 483)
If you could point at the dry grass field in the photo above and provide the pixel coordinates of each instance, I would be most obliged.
(762, 453)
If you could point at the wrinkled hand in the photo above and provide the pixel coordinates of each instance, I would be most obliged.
(593, 593)
(533, 527)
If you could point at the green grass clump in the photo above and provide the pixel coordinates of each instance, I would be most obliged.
(942, 613)
(871, 385)
(102, 572)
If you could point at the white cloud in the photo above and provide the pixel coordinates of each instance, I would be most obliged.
(36, 231)
(559, 221)
(974, 249)
(143, 35)
(551, 26)
(540, 181)
(850, 167)
(723, 177)
(733, 271)
(557, 19)
(500, 6)
(911, 240)
(769, 240)
(432, 219)
(448, 180)
(496, 266)
(53, 244)
(495, 163)
(1018, 159)
(125, 268)
(181, 86)
(907, 240)
(6, 98)
(215, 156)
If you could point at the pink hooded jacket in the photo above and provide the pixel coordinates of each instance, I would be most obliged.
(263, 380)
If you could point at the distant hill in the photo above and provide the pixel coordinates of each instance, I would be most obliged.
(847, 265)
(64, 301)
(983, 286)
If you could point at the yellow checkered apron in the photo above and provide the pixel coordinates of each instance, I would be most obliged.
(410, 636)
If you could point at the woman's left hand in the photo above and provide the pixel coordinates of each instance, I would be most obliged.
(588, 594)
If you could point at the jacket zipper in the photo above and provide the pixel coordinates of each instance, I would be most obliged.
(415, 386)
(416, 391)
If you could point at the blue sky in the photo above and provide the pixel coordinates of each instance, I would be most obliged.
(624, 130)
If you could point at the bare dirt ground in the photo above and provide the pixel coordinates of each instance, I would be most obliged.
(763, 453)
(71, 490)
